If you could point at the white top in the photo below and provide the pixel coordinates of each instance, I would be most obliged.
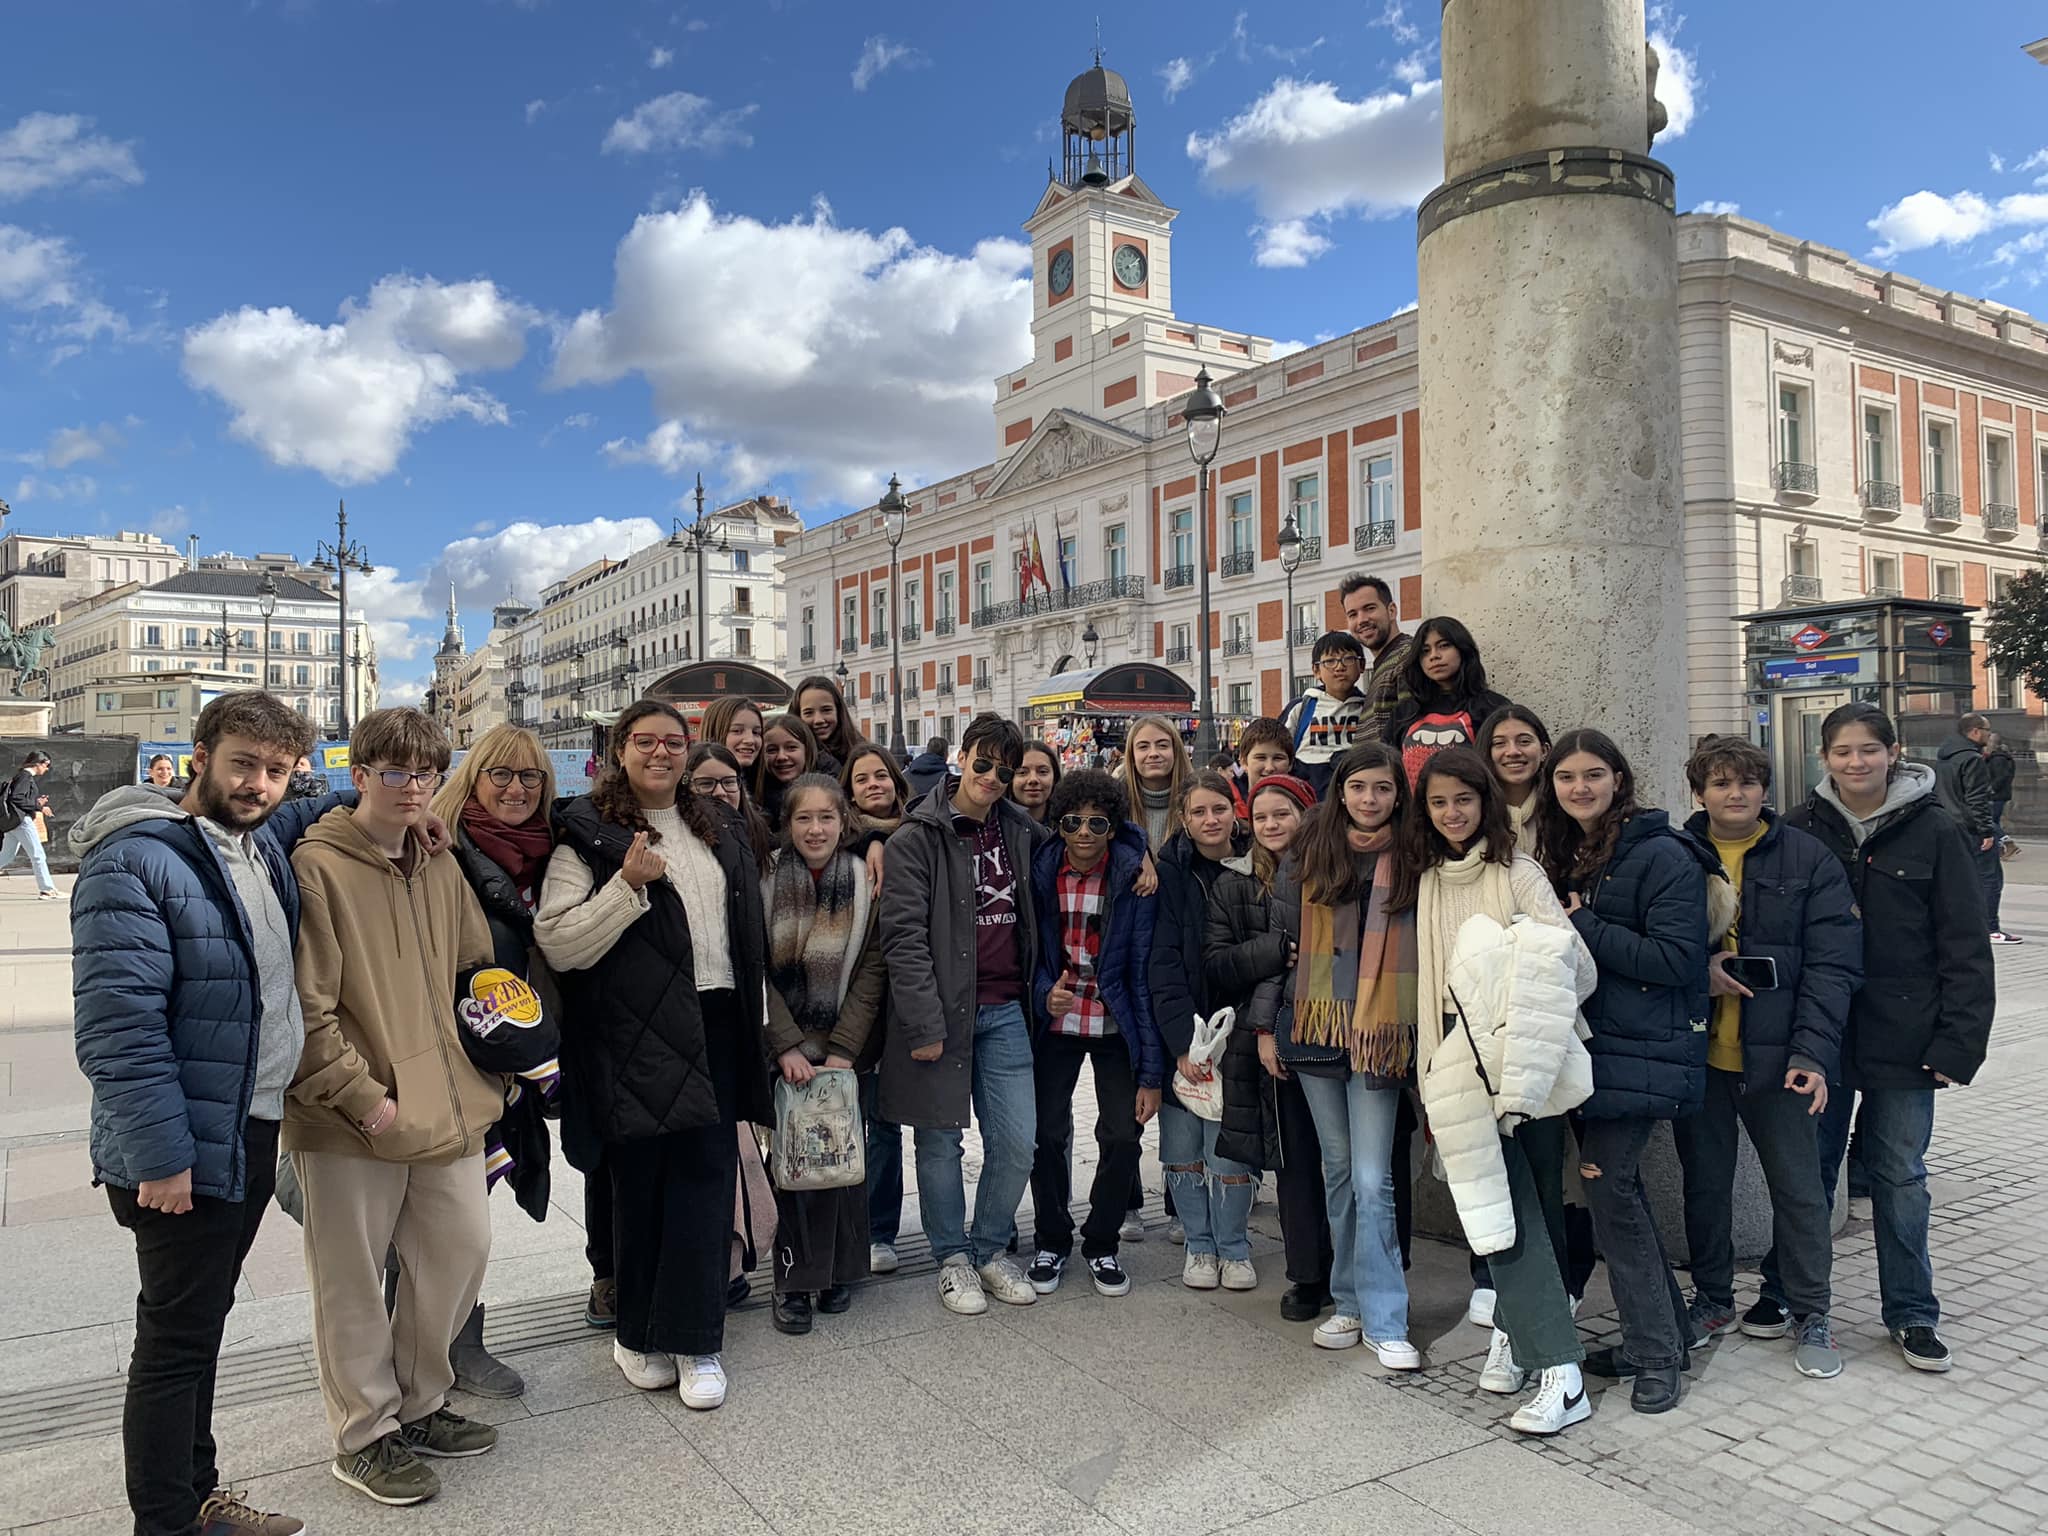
(576, 926)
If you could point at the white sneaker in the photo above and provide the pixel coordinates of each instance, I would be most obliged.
(650, 1372)
(1238, 1275)
(1133, 1229)
(1002, 1279)
(1177, 1233)
(1479, 1313)
(1860, 1208)
(1201, 1272)
(1397, 1354)
(1558, 1404)
(1500, 1373)
(960, 1287)
(882, 1259)
(704, 1384)
(1338, 1332)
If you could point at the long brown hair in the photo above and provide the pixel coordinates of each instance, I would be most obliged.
(719, 715)
(1423, 846)
(862, 753)
(790, 726)
(1127, 770)
(844, 737)
(1331, 874)
(1177, 816)
(612, 796)
(1266, 863)
(760, 839)
(1571, 856)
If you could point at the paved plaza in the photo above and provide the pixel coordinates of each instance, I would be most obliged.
(1167, 1411)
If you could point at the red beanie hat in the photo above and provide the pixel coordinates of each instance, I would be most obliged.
(1301, 790)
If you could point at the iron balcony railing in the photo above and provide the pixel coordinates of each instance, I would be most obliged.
(1795, 479)
(944, 689)
(983, 683)
(1306, 634)
(1800, 589)
(1942, 507)
(1179, 655)
(807, 653)
(1880, 496)
(1239, 562)
(879, 640)
(1311, 548)
(912, 631)
(1238, 645)
(1378, 535)
(910, 687)
(1178, 576)
(1882, 592)
(849, 645)
(2001, 517)
(943, 628)
(1086, 594)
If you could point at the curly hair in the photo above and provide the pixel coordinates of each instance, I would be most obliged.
(1572, 855)
(1090, 787)
(613, 798)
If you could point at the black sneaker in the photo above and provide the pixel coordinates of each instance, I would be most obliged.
(1109, 1276)
(1923, 1349)
(1046, 1271)
(1768, 1319)
(1304, 1303)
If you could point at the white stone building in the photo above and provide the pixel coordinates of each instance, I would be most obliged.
(42, 574)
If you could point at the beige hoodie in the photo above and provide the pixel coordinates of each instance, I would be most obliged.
(377, 960)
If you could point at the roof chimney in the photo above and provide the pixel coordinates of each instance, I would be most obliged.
(192, 553)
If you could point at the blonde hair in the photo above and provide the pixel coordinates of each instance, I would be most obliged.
(1127, 770)
(502, 746)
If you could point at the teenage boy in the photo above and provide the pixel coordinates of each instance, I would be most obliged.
(960, 934)
(1375, 620)
(1331, 715)
(188, 1028)
(1090, 1003)
(387, 1116)
(1771, 1049)
(1265, 747)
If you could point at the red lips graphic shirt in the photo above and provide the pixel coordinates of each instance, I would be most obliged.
(1433, 731)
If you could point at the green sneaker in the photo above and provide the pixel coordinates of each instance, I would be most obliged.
(446, 1433)
(388, 1472)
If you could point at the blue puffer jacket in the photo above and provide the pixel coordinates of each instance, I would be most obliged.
(1796, 910)
(1645, 920)
(164, 990)
(1124, 962)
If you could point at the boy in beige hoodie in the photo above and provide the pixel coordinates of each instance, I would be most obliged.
(386, 1117)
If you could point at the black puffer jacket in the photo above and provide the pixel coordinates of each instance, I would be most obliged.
(634, 1035)
(1928, 992)
(1179, 991)
(1797, 911)
(1243, 949)
(1645, 920)
(1963, 784)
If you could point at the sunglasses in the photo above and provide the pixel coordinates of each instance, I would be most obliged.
(724, 786)
(398, 778)
(529, 778)
(643, 742)
(1003, 771)
(1097, 826)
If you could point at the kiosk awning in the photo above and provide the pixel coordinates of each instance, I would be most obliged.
(1124, 688)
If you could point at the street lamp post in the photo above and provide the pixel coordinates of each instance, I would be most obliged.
(1089, 641)
(1204, 413)
(697, 536)
(342, 556)
(894, 514)
(266, 604)
(515, 698)
(1290, 562)
(223, 637)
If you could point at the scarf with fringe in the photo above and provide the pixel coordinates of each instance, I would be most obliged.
(1355, 981)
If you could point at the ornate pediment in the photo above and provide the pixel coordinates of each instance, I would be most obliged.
(1065, 442)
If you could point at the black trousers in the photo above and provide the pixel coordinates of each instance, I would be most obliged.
(599, 1246)
(189, 1267)
(1655, 1328)
(1304, 1213)
(1056, 1068)
(821, 1238)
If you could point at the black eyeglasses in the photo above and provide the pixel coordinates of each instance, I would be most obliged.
(530, 778)
(725, 786)
(1003, 771)
(398, 778)
(1097, 825)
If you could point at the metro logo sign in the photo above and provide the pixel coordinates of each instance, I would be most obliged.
(1810, 638)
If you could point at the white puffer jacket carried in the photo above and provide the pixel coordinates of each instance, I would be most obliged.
(1519, 1052)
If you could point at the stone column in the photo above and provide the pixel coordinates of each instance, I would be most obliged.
(1548, 283)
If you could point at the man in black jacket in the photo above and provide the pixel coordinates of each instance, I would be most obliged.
(1770, 1052)
(1962, 782)
(927, 770)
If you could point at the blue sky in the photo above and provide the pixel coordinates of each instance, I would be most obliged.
(506, 273)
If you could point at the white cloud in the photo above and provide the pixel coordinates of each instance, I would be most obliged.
(1997, 162)
(169, 522)
(1395, 20)
(41, 275)
(1301, 150)
(1928, 218)
(1678, 76)
(661, 58)
(1289, 243)
(393, 693)
(697, 24)
(1175, 76)
(534, 108)
(345, 399)
(2037, 161)
(70, 488)
(878, 55)
(1244, 43)
(524, 557)
(46, 151)
(1412, 69)
(1713, 205)
(805, 348)
(74, 445)
(393, 606)
(677, 121)
(1288, 348)
(1406, 309)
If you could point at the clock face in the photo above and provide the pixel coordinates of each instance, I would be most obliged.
(1129, 266)
(1060, 274)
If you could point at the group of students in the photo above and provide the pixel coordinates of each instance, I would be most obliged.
(1495, 939)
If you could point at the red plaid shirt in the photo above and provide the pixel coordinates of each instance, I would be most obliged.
(1081, 904)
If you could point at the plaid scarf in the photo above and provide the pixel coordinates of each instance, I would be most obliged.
(1355, 983)
(810, 926)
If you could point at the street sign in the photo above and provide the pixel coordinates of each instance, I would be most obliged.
(1810, 637)
(1939, 633)
(1812, 666)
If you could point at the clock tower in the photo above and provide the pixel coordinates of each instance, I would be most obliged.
(1104, 339)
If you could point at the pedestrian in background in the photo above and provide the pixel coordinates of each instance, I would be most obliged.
(22, 805)
(927, 771)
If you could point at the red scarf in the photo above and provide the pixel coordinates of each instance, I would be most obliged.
(520, 851)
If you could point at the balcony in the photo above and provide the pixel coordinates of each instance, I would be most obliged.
(1179, 655)
(2001, 518)
(910, 688)
(1305, 634)
(1373, 536)
(1799, 589)
(1086, 594)
(943, 628)
(913, 632)
(1790, 479)
(1179, 576)
(1879, 594)
(1311, 549)
(1238, 645)
(849, 645)
(879, 640)
(1943, 509)
(983, 683)
(1880, 496)
(1239, 562)
(945, 688)
(807, 652)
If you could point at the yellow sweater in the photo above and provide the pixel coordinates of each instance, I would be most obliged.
(1724, 1035)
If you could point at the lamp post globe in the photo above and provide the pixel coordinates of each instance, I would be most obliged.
(1204, 412)
(895, 513)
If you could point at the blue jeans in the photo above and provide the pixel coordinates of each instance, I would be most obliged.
(1893, 1127)
(24, 837)
(1214, 1212)
(885, 1165)
(1355, 1127)
(1006, 1110)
